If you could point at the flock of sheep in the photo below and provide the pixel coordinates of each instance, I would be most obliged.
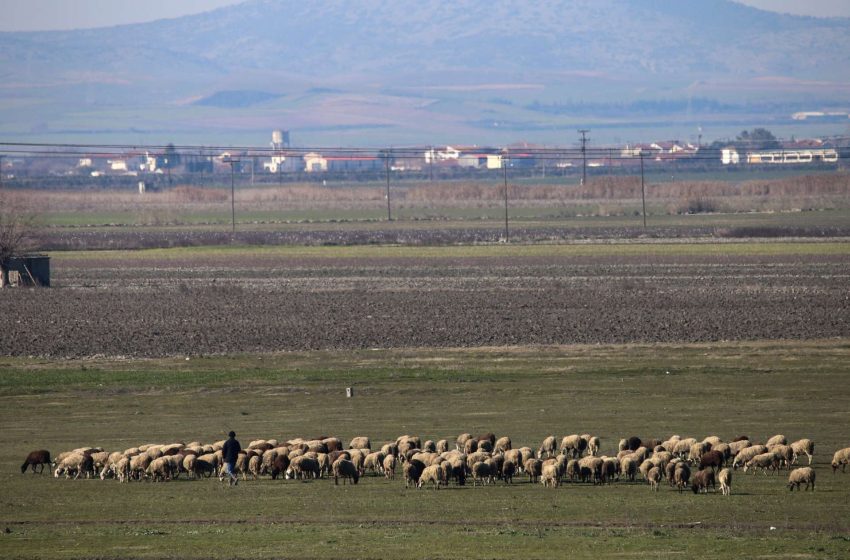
(483, 460)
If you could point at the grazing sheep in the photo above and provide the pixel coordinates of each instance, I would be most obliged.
(38, 458)
(712, 440)
(572, 470)
(683, 447)
(496, 462)
(801, 447)
(254, 464)
(526, 453)
(481, 472)
(429, 446)
(411, 473)
(573, 445)
(654, 477)
(508, 471)
(778, 439)
(681, 475)
(547, 448)
(712, 459)
(549, 476)
(332, 444)
(799, 476)
(628, 468)
(360, 442)
(503, 444)
(632, 443)
(840, 459)
(746, 454)
(724, 477)
(644, 467)
(122, 469)
(702, 480)
(764, 462)
(593, 445)
(533, 468)
(696, 451)
(485, 445)
(460, 442)
(202, 468)
(75, 464)
(303, 467)
(389, 466)
(670, 468)
(784, 455)
(515, 456)
(159, 469)
(470, 446)
(345, 469)
(610, 470)
(432, 473)
(591, 468)
(280, 465)
(374, 462)
(491, 437)
(442, 446)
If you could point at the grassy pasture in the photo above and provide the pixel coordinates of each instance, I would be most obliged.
(760, 388)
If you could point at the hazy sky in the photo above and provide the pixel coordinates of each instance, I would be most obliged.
(28, 15)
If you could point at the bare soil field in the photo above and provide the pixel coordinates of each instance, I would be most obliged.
(243, 301)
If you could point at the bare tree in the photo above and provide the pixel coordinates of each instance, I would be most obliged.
(17, 221)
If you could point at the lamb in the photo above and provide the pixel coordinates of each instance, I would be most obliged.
(724, 477)
(389, 466)
(432, 474)
(549, 475)
(36, 458)
(360, 442)
(803, 446)
(573, 445)
(653, 477)
(345, 469)
(702, 480)
(547, 448)
(801, 475)
(840, 459)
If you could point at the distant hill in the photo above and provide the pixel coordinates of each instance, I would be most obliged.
(547, 51)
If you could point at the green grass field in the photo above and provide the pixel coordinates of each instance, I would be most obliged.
(758, 389)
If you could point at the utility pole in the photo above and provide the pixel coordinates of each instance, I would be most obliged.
(233, 193)
(642, 190)
(583, 133)
(389, 207)
(431, 163)
(505, 169)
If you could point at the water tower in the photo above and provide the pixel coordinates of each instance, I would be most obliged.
(280, 139)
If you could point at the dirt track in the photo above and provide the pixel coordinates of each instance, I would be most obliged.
(219, 306)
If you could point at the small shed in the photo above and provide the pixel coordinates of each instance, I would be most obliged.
(31, 270)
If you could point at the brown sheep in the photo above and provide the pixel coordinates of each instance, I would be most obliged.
(702, 480)
(39, 458)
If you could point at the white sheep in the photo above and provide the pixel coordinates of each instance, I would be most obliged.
(840, 459)
(547, 448)
(764, 462)
(801, 475)
(803, 447)
(778, 439)
(549, 475)
(432, 473)
(724, 477)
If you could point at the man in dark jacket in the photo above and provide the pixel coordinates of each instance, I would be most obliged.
(230, 452)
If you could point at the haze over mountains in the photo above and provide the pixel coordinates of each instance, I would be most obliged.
(405, 71)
